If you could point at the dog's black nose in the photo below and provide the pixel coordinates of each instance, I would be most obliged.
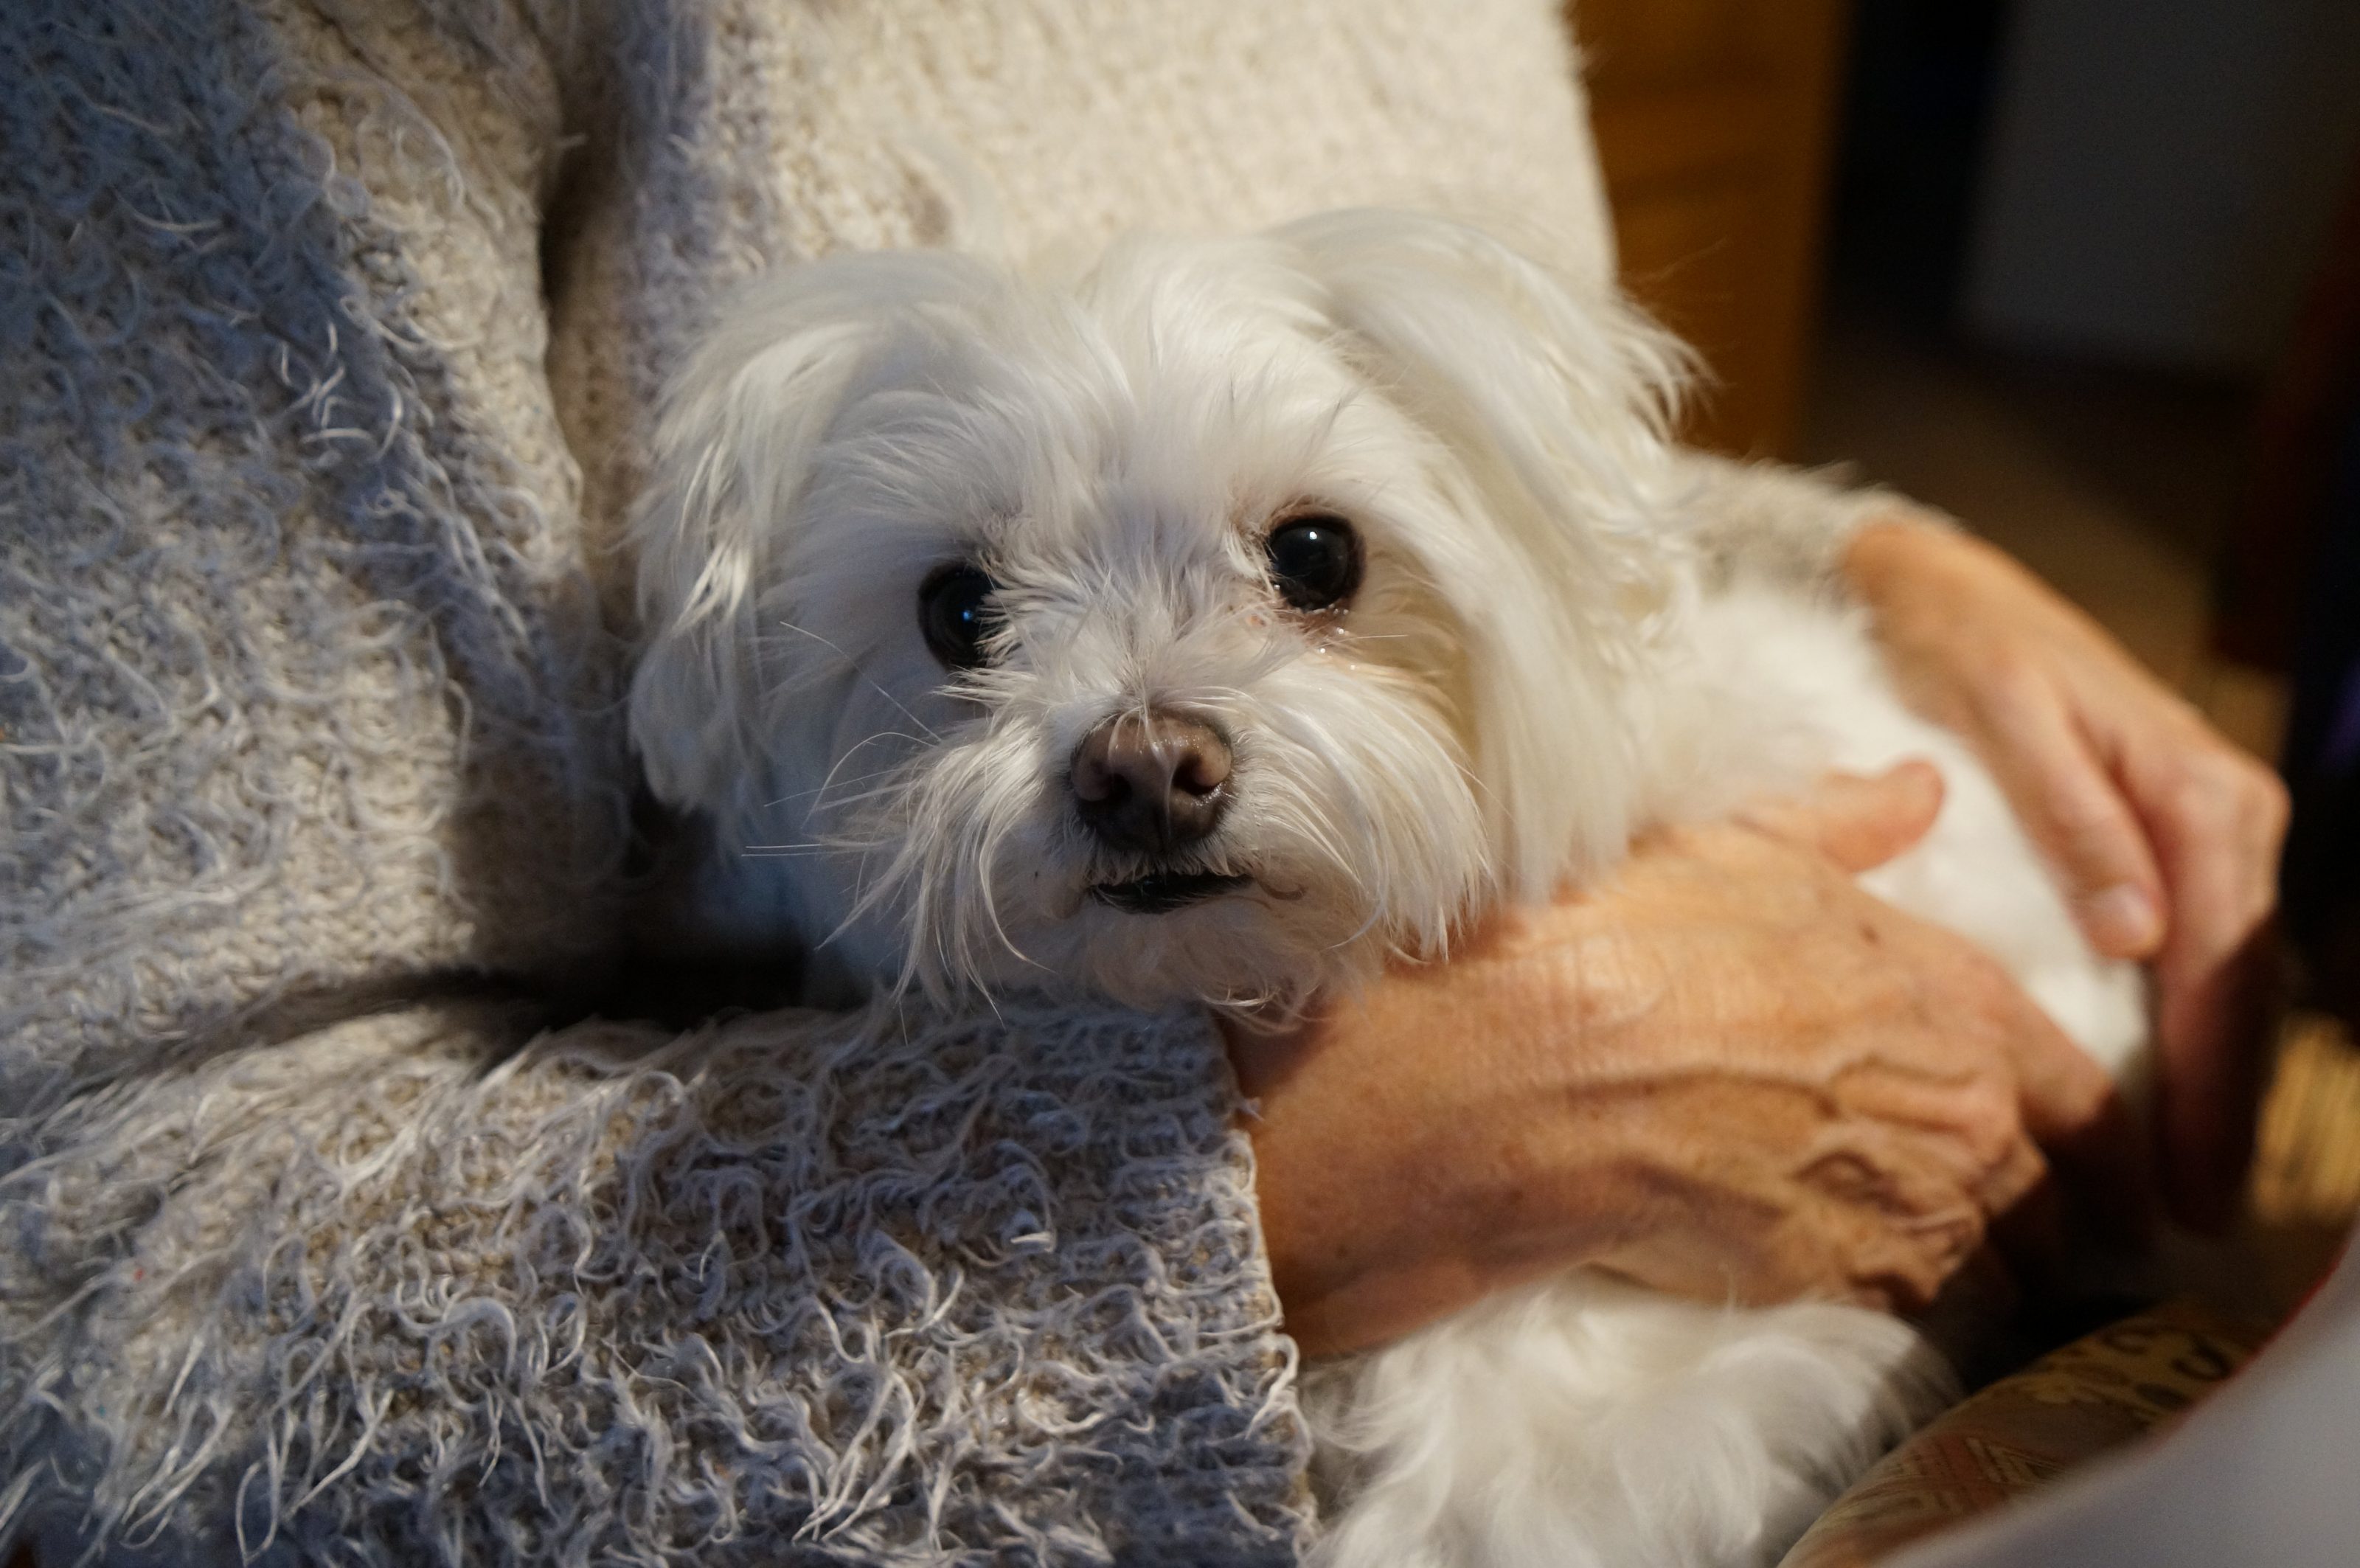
(1152, 782)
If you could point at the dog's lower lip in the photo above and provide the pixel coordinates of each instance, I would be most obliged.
(1163, 891)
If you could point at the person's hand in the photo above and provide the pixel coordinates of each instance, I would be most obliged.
(2167, 837)
(1727, 1071)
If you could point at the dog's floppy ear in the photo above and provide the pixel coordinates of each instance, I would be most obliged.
(738, 431)
(1556, 381)
(1554, 395)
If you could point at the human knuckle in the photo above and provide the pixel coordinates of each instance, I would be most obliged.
(2242, 781)
(1913, 1263)
(1949, 1234)
(2213, 788)
(1995, 1002)
(2008, 684)
(2181, 788)
(2082, 810)
(1991, 1125)
(2008, 670)
(2267, 804)
(1857, 1177)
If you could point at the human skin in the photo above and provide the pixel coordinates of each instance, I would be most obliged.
(1728, 1071)
(2165, 835)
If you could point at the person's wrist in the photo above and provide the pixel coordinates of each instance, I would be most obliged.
(1382, 1207)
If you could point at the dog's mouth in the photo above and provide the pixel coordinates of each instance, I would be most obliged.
(1160, 893)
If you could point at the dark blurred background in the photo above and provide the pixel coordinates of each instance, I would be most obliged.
(2087, 274)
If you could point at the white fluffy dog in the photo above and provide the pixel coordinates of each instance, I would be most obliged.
(1232, 618)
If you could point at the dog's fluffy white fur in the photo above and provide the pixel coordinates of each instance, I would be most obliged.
(1533, 667)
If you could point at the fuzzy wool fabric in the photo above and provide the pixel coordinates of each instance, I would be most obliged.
(328, 335)
(790, 1289)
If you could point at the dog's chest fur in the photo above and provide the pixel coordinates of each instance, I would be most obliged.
(1588, 1422)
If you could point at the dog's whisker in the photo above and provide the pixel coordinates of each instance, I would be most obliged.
(854, 665)
(891, 789)
(817, 796)
(853, 751)
(988, 854)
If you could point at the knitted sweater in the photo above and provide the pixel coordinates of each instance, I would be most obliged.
(329, 332)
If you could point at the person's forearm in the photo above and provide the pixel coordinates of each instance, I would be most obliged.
(1717, 1072)
(888, 1284)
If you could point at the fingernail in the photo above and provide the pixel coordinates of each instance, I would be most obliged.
(2122, 920)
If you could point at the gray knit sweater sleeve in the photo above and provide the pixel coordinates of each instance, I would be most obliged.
(866, 1290)
(309, 1250)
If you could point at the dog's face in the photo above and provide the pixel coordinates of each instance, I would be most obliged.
(1210, 627)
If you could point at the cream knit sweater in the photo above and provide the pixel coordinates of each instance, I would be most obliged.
(330, 331)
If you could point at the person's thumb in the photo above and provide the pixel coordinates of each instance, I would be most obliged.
(1859, 822)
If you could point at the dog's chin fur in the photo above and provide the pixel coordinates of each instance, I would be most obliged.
(1530, 669)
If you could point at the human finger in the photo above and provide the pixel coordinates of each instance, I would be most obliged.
(1860, 822)
(2071, 1107)
(2213, 1025)
(2218, 820)
(1914, 1214)
(2075, 810)
(1969, 1135)
(1877, 1238)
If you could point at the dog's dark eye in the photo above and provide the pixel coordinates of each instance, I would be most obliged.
(953, 611)
(1315, 562)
